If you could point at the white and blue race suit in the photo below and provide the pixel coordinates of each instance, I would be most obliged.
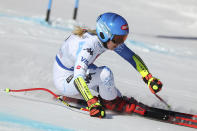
(76, 57)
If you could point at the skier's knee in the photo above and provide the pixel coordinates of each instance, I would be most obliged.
(106, 76)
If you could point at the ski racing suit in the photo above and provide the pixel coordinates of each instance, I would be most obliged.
(76, 57)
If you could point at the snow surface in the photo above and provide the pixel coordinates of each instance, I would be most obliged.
(28, 47)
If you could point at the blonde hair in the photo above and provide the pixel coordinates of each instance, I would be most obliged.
(80, 31)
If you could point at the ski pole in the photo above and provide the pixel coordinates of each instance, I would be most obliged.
(49, 91)
(169, 107)
(48, 11)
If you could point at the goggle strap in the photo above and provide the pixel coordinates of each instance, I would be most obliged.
(112, 36)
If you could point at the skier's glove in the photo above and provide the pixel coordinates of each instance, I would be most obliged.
(96, 109)
(154, 84)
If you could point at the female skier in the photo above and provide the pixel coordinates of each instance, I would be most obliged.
(74, 72)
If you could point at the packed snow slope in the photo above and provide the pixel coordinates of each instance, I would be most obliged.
(163, 34)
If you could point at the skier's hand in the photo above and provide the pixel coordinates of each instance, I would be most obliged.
(96, 109)
(154, 84)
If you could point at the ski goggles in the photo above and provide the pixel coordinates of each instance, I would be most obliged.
(119, 39)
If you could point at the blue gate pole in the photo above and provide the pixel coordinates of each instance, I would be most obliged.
(76, 8)
(48, 10)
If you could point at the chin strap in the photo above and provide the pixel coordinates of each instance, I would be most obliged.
(105, 45)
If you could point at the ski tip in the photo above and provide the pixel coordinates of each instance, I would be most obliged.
(7, 90)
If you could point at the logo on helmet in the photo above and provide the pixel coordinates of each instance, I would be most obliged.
(125, 27)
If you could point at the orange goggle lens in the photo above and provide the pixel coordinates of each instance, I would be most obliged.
(119, 39)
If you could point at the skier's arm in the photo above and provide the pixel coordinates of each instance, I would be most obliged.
(133, 59)
(82, 60)
(153, 83)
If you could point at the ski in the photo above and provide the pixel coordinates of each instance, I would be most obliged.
(173, 117)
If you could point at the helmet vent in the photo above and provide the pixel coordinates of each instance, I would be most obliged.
(102, 35)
